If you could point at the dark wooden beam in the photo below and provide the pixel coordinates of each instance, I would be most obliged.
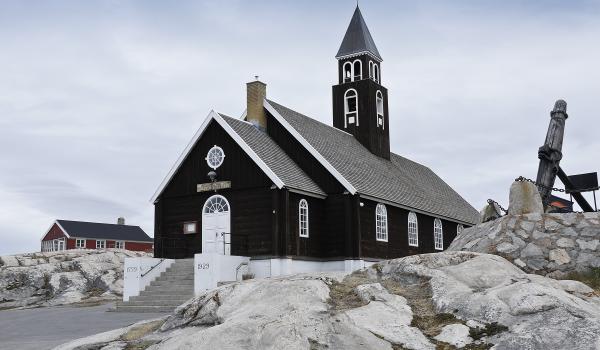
(583, 203)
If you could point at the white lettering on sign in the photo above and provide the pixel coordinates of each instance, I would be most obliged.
(131, 269)
(213, 186)
(203, 266)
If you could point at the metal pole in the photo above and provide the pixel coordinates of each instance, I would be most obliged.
(595, 204)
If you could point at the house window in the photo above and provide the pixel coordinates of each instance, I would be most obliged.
(379, 103)
(413, 230)
(459, 229)
(438, 234)
(190, 227)
(80, 243)
(357, 67)
(100, 244)
(376, 72)
(303, 218)
(215, 157)
(350, 107)
(381, 223)
(348, 75)
(119, 244)
(216, 204)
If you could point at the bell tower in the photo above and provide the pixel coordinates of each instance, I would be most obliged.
(360, 104)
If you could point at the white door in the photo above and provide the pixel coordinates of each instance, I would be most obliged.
(216, 237)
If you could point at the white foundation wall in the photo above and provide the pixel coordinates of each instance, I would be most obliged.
(212, 268)
(262, 268)
(138, 273)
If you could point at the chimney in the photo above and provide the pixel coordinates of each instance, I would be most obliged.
(255, 112)
(121, 221)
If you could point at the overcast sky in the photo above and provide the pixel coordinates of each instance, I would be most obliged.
(98, 99)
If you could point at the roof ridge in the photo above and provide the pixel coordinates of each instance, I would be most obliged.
(312, 119)
(96, 223)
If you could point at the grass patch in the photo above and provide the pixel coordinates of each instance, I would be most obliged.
(489, 330)
(590, 277)
(342, 295)
(141, 331)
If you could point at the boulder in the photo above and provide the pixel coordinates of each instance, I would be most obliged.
(524, 199)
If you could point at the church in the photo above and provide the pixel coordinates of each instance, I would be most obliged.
(278, 184)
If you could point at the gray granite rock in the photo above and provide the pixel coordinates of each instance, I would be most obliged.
(524, 198)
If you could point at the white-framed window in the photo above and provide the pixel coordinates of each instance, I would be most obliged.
(357, 68)
(190, 227)
(371, 69)
(459, 229)
(438, 234)
(303, 218)
(215, 157)
(350, 107)
(120, 244)
(216, 204)
(100, 244)
(376, 72)
(381, 223)
(413, 230)
(348, 74)
(379, 104)
(80, 243)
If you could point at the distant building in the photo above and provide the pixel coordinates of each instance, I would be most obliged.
(66, 235)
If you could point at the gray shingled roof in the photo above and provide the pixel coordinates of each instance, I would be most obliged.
(273, 156)
(94, 230)
(398, 180)
(358, 38)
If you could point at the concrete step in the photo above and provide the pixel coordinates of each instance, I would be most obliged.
(162, 297)
(160, 292)
(173, 303)
(155, 309)
(170, 288)
(224, 283)
(172, 284)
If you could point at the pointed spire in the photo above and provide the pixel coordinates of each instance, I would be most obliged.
(358, 39)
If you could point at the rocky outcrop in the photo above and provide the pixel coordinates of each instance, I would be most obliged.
(446, 300)
(524, 198)
(44, 279)
(546, 244)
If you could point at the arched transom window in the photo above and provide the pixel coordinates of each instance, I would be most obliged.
(379, 103)
(438, 234)
(350, 107)
(303, 218)
(381, 223)
(413, 230)
(216, 204)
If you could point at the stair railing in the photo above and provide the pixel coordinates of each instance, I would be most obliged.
(237, 269)
(153, 267)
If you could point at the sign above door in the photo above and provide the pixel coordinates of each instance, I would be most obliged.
(213, 186)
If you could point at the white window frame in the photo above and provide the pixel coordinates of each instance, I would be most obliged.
(100, 246)
(376, 72)
(347, 113)
(459, 229)
(215, 148)
(186, 227)
(303, 219)
(380, 109)
(381, 223)
(438, 234)
(78, 245)
(345, 71)
(413, 230)
(119, 244)
(359, 75)
(370, 69)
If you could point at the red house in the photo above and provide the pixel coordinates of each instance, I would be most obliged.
(65, 234)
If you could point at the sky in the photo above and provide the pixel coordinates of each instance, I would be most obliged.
(99, 98)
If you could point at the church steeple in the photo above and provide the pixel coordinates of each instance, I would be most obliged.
(359, 100)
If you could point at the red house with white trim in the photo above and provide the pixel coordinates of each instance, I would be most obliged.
(65, 235)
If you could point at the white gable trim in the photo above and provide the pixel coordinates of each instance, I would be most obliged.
(310, 148)
(50, 228)
(216, 117)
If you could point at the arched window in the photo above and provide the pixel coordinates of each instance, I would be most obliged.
(379, 103)
(413, 230)
(459, 229)
(348, 74)
(350, 107)
(371, 69)
(376, 72)
(381, 223)
(357, 67)
(216, 204)
(303, 218)
(438, 234)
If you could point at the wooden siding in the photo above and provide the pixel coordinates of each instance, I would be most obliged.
(250, 199)
(303, 246)
(54, 233)
(397, 245)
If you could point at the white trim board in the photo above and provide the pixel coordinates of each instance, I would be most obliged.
(50, 228)
(216, 117)
(345, 183)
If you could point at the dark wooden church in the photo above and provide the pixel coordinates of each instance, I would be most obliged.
(279, 184)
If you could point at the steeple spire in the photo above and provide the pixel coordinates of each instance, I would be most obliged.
(358, 39)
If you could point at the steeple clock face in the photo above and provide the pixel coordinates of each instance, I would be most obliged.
(215, 157)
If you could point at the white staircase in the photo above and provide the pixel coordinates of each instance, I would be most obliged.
(171, 289)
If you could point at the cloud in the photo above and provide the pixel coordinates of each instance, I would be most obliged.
(97, 100)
